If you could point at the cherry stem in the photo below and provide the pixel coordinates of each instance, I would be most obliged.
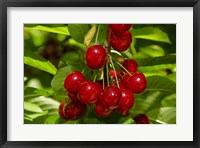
(97, 35)
(95, 77)
(123, 67)
(103, 78)
(114, 71)
(107, 74)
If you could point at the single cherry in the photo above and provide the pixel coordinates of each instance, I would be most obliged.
(141, 119)
(89, 92)
(131, 65)
(61, 109)
(111, 97)
(74, 110)
(73, 82)
(137, 83)
(120, 28)
(95, 57)
(102, 111)
(127, 100)
(121, 42)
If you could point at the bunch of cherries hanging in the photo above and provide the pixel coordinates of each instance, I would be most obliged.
(115, 91)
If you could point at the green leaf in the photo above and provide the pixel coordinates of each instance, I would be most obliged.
(54, 28)
(129, 121)
(39, 62)
(157, 63)
(47, 104)
(162, 60)
(150, 33)
(160, 83)
(169, 101)
(172, 77)
(146, 102)
(52, 119)
(69, 58)
(32, 107)
(89, 36)
(35, 115)
(30, 92)
(165, 115)
(150, 51)
(78, 31)
(149, 69)
(57, 82)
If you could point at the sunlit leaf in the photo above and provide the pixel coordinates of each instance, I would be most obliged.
(150, 33)
(47, 104)
(54, 28)
(165, 115)
(89, 36)
(35, 115)
(39, 62)
(30, 92)
(32, 107)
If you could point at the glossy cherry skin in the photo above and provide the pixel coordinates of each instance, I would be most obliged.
(111, 97)
(102, 111)
(125, 79)
(137, 83)
(95, 57)
(73, 82)
(74, 110)
(120, 28)
(131, 65)
(121, 42)
(61, 109)
(127, 100)
(141, 119)
(89, 92)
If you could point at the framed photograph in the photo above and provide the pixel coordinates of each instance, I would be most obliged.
(103, 73)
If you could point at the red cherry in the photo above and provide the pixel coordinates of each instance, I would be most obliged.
(61, 109)
(89, 92)
(120, 28)
(125, 79)
(141, 119)
(74, 110)
(73, 97)
(131, 65)
(121, 42)
(127, 100)
(102, 111)
(137, 83)
(111, 97)
(95, 57)
(73, 82)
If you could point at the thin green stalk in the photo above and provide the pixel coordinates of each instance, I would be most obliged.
(97, 35)
(114, 71)
(107, 74)
(123, 67)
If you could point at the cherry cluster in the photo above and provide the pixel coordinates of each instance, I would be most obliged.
(112, 93)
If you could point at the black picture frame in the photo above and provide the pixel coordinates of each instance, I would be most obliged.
(4, 4)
